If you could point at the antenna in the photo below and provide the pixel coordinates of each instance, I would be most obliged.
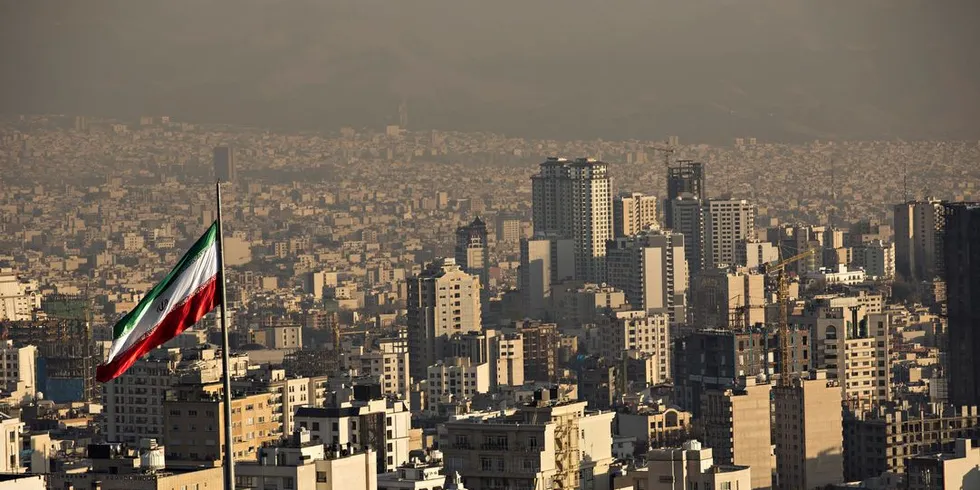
(905, 180)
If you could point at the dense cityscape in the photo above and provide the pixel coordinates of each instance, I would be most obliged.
(433, 310)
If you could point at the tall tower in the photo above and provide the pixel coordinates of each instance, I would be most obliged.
(650, 268)
(472, 254)
(224, 164)
(962, 274)
(727, 224)
(808, 433)
(633, 213)
(442, 300)
(573, 200)
(918, 239)
(684, 178)
(687, 218)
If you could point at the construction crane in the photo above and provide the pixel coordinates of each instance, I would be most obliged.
(667, 149)
(782, 297)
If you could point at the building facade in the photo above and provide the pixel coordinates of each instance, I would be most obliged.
(651, 270)
(633, 213)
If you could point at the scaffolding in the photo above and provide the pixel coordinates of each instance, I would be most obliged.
(567, 459)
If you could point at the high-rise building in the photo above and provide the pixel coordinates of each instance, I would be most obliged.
(650, 268)
(962, 273)
(472, 251)
(573, 200)
(918, 239)
(632, 213)
(877, 258)
(808, 433)
(727, 224)
(541, 342)
(544, 262)
(455, 378)
(688, 219)
(442, 301)
(721, 298)
(736, 425)
(224, 164)
(624, 331)
(685, 178)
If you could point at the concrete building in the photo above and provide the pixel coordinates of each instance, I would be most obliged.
(650, 269)
(807, 433)
(388, 363)
(918, 239)
(545, 262)
(18, 370)
(508, 229)
(574, 200)
(18, 297)
(380, 424)
(288, 337)
(502, 352)
(758, 253)
(541, 342)
(877, 259)
(111, 470)
(655, 427)
(224, 164)
(955, 470)
(194, 426)
(442, 301)
(11, 429)
(556, 444)
(880, 439)
(721, 298)
(632, 213)
(851, 345)
(574, 304)
(472, 251)
(840, 275)
(692, 466)
(302, 464)
(685, 179)
(630, 330)
(728, 223)
(458, 378)
(416, 475)
(687, 218)
(962, 275)
(14, 481)
(736, 424)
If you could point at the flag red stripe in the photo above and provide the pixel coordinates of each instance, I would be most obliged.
(192, 310)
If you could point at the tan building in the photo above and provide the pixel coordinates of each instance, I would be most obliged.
(504, 352)
(655, 427)
(955, 470)
(442, 301)
(278, 336)
(113, 471)
(622, 331)
(541, 343)
(18, 369)
(194, 425)
(736, 424)
(808, 433)
(10, 444)
(300, 464)
(415, 476)
(457, 378)
(880, 439)
(18, 297)
(574, 303)
(546, 262)
(724, 299)
(386, 362)
(651, 269)
(692, 467)
(633, 213)
(558, 445)
(727, 223)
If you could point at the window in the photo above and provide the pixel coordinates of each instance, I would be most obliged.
(287, 483)
(321, 476)
(316, 425)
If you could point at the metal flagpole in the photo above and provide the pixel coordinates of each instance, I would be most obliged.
(229, 462)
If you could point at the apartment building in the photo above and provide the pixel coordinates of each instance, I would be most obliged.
(299, 463)
(655, 427)
(651, 270)
(634, 212)
(807, 433)
(456, 378)
(19, 297)
(736, 425)
(18, 369)
(693, 467)
(631, 330)
(958, 469)
(727, 224)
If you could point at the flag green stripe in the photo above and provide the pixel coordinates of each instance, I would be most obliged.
(129, 321)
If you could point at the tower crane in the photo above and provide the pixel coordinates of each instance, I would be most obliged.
(667, 149)
(782, 296)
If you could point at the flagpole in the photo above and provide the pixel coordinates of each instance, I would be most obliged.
(229, 462)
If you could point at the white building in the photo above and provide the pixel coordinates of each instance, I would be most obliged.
(442, 301)
(18, 369)
(758, 253)
(692, 466)
(10, 445)
(301, 464)
(727, 224)
(387, 363)
(18, 297)
(414, 476)
(839, 275)
(574, 200)
(458, 377)
(651, 270)
(382, 425)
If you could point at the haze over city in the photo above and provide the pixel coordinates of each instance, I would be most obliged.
(438, 245)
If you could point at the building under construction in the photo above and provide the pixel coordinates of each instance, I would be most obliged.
(67, 353)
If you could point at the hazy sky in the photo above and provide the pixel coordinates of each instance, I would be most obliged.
(705, 70)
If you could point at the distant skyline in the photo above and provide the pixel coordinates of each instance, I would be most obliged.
(705, 71)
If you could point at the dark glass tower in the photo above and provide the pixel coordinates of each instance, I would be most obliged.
(684, 178)
(961, 244)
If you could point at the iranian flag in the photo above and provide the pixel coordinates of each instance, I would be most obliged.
(188, 293)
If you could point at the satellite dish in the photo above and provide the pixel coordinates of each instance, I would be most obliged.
(39, 396)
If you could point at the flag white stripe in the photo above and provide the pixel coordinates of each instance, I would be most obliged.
(196, 275)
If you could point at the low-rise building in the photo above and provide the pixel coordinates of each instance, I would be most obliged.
(955, 470)
(692, 466)
(303, 464)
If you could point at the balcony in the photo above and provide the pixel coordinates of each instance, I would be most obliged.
(490, 446)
